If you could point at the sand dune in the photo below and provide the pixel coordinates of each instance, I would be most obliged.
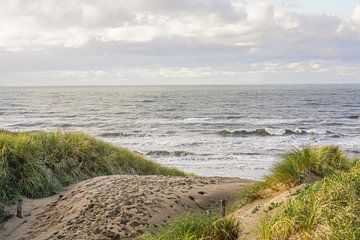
(118, 207)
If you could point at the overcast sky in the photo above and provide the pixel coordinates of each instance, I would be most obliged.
(109, 42)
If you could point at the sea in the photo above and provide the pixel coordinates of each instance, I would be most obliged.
(233, 131)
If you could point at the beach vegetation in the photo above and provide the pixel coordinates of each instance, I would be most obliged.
(297, 167)
(199, 226)
(38, 164)
(327, 209)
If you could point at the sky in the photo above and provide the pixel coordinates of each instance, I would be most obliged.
(145, 42)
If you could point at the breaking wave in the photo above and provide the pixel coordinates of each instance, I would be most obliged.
(261, 132)
(114, 134)
(167, 153)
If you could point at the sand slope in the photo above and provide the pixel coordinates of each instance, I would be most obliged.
(252, 213)
(118, 207)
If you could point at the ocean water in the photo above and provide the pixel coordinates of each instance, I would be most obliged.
(208, 130)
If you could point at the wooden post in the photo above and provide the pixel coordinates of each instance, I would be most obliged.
(222, 207)
(19, 208)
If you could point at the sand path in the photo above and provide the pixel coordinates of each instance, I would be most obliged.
(252, 213)
(118, 207)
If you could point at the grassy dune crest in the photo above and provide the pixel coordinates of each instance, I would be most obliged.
(300, 166)
(37, 164)
(329, 209)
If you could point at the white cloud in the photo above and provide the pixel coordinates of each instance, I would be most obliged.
(314, 66)
(350, 27)
(348, 70)
(29, 25)
(192, 38)
(292, 3)
(129, 34)
(163, 72)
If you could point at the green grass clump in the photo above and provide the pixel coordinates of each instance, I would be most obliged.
(329, 209)
(298, 164)
(297, 167)
(37, 164)
(4, 215)
(197, 226)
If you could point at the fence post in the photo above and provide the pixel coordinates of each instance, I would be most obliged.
(19, 208)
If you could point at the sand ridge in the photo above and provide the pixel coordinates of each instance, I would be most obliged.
(120, 206)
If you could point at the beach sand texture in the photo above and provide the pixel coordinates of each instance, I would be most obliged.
(118, 207)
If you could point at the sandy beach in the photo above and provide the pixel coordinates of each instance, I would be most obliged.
(118, 207)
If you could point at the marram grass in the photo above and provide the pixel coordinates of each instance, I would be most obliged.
(297, 167)
(328, 209)
(197, 226)
(37, 164)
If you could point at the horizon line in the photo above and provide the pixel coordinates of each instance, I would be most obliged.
(179, 85)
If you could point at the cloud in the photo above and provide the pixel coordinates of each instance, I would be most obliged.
(33, 25)
(292, 3)
(350, 27)
(314, 66)
(197, 38)
(348, 70)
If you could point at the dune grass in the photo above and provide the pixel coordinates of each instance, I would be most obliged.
(197, 226)
(4, 214)
(297, 167)
(328, 209)
(37, 164)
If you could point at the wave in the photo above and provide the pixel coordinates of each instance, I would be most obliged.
(198, 120)
(68, 116)
(167, 153)
(355, 151)
(247, 154)
(114, 134)
(23, 125)
(297, 132)
(334, 135)
(261, 132)
(312, 104)
(171, 132)
(168, 110)
(121, 134)
(72, 125)
(234, 117)
(257, 132)
(353, 117)
(63, 125)
(333, 124)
